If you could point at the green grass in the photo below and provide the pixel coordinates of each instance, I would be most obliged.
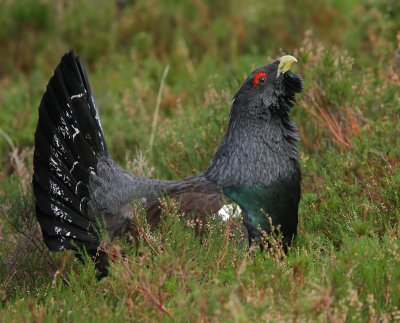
(345, 263)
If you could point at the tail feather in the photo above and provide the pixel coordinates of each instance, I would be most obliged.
(71, 237)
(68, 144)
(59, 209)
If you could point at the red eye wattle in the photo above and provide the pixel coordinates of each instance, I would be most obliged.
(259, 78)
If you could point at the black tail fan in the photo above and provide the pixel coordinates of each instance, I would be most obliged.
(68, 142)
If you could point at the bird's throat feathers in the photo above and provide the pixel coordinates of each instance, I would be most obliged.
(256, 153)
(259, 147)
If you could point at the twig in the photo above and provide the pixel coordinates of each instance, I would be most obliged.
(7, 138)
(157, 109)
(143, 234)
(228, 231)
(145, 290)
(243, 265)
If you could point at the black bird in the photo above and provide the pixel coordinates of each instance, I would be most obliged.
(78, 186)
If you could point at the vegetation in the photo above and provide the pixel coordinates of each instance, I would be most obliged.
(345, 263)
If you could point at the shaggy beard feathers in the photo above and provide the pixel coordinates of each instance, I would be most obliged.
(293, 84)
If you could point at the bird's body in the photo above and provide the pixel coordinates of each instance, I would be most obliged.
(77, 185)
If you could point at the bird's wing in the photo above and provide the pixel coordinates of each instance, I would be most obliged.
(198, 199)
(195, 195)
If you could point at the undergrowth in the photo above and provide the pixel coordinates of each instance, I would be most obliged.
(345, 262)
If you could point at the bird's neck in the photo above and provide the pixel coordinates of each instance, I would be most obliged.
(255, 151)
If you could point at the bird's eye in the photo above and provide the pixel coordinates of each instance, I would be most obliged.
(259, 78)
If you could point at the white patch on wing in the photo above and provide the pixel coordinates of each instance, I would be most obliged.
(229, 210)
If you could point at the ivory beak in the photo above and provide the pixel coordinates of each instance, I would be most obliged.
(285, 64)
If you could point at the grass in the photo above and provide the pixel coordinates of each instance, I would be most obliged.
(345, 263)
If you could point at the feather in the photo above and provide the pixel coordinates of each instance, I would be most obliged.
(68, 141)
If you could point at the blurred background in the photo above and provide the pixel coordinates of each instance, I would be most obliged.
(347, 115)
(344, 46)
(348, 51)
(35, 33)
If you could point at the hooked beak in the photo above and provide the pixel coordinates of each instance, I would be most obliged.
(285, 64)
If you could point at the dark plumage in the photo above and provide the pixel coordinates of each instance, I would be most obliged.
(78, 187)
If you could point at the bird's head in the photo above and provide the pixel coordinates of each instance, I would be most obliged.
(270, 88)
(259, 145)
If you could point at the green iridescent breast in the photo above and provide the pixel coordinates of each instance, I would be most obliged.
(276, 203)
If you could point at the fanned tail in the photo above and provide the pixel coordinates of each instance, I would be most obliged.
(68, 143)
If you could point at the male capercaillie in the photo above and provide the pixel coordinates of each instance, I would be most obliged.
(77, 185)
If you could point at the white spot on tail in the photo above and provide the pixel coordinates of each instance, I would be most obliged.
(58, 191)
(80, 204)
(76, 187)
(60, 213)
(63, 128)
(79, 95)
(73, 165)
(76, 132)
